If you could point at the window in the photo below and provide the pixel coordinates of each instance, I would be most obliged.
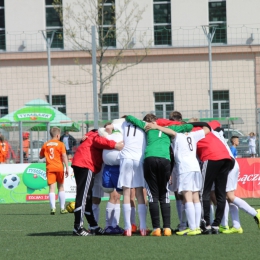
(162, 22)
(53, 23)
(58, 102)
(110, 109)
(221, 104)
(3, 106)
(107, 22)
(163, 104)
(2, 25)
(217, 16)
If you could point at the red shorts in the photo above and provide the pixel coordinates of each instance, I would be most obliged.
(53, 177)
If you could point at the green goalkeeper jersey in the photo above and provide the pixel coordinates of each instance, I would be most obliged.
(158, 143)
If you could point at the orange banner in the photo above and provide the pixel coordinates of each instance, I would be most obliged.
(248, 185)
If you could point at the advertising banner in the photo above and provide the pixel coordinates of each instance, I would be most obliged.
(27, 183)
(248, 185)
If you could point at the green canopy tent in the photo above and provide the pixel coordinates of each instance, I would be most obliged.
(37, 116)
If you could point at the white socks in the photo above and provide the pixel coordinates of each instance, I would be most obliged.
(244, 206)
(190, 214)
(116, 218)
(142, 215)
(110, 211)
(62, 199)
(96, 209)
(197, 207)
(133, 215)
(52, 200)
(234, 213)
(127, 215)
(224, 221)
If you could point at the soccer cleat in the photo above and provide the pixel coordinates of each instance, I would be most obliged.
(257, 218)
(113, 230)
(167, 232)
(53, 211)
(81, 232)
(214, 231)
(97, 231)
(184, 232)
(119, 230)
(63, 211)
(127, 232)
(193, 233)
(134, 228)
(223, 228)
(198, 231)
(233, 231)
(156, 232)
(143, 232)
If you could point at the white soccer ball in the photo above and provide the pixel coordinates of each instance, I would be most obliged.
(11, 181)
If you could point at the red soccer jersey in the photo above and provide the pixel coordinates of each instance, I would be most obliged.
(89, 153)
(211, 148)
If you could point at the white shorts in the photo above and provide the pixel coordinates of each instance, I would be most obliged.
(131, 174)
(190, 181)
(174, 184)
(97, 190)
(252, 149)
(233, 178)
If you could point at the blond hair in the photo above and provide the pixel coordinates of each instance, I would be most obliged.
(54, 131)
(193, 119)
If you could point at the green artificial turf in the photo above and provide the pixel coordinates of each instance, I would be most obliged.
(28, 231)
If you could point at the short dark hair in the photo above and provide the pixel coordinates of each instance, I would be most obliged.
(150, 118)
(232, 138)
(107, 123)
(175, 116)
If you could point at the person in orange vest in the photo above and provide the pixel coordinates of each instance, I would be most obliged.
(26, 144)
(3, 149)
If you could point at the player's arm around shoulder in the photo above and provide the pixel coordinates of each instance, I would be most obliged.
(181, 128)
(165, 130)
(133, 120)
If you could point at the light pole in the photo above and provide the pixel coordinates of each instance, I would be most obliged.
(210, 36)
(49, 41)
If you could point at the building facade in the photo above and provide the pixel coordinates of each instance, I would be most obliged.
(173, 76)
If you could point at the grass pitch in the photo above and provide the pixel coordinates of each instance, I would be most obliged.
(28, 231)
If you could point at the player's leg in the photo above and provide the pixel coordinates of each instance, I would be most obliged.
(141, 210)
(213, 204)
(209, 172)
(197, 207)
(127, 211)
(133, 210)
(51, 179)
(241, 204)
(97, 194)
(220, 191)
(84, 182)
(163, 177)
(190, 213)
(150, 175)
(61, 192)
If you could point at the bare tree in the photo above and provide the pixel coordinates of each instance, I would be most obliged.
(116, 24)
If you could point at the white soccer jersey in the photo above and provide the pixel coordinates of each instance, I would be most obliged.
(134, 141)
(110, 157)
(185, 148)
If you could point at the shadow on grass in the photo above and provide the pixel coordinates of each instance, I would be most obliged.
(51, 234)
(24, 214)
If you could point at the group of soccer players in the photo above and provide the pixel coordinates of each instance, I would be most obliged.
(150, 155)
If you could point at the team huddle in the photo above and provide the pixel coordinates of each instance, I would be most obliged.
(150, 156)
